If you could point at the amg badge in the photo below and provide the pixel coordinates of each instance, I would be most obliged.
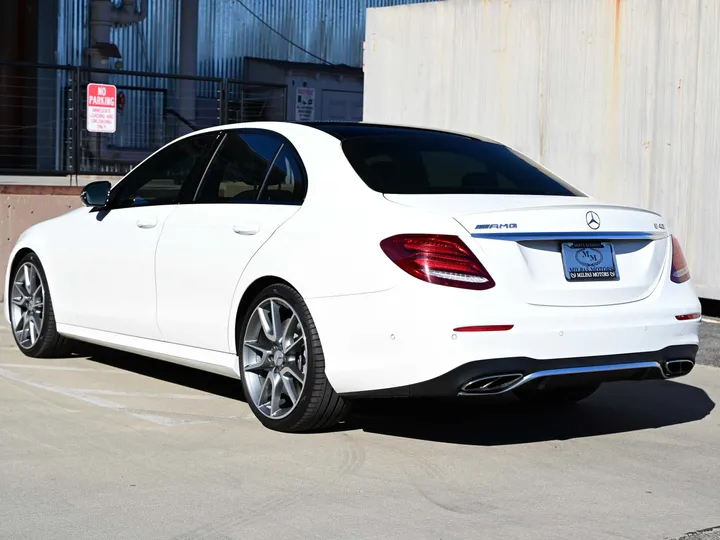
(497, 226)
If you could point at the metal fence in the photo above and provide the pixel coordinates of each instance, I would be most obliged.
(43, 115)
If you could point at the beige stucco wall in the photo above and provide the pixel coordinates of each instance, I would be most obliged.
(23, 206)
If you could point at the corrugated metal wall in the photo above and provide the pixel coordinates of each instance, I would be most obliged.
(152, 45)
(332, 30)
(620, 97)
(72, 31)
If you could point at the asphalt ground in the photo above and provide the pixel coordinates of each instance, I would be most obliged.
(123, 447)
(709, 353)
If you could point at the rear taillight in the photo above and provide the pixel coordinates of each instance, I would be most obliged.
(439, 259)
(679, 272)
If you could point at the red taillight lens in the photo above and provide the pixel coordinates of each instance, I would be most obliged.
(679, 272)
(440, 259)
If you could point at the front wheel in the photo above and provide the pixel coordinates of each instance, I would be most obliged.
(557, 396)
(283, 367)
(31, 312)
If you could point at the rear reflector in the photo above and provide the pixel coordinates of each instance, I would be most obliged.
(688, 317)
(486, 328)
(439, 259)
(679, 272)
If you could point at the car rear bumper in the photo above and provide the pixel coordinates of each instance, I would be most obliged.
(409, 335)
(501, 375)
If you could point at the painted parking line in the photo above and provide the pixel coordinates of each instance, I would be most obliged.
(92, 397)
(145, 394)
(62, 368)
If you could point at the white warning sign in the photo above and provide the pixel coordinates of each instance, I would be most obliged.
(101, 108)
(305, 105)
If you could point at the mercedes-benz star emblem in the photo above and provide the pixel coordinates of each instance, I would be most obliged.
(592, 220)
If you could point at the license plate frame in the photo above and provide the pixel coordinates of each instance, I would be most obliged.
(589, 261)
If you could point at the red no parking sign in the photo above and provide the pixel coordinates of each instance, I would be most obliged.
(101, 108)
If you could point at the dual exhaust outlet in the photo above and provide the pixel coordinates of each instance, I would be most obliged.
(675, 368)
(504, 382)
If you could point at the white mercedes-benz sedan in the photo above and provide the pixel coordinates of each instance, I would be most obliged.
(324, 262)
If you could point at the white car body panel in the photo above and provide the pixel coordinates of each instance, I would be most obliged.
(206, 360)
(113, 264)
(202, 253)
(406, 335)
(173, 291)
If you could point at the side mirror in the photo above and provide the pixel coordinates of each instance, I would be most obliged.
(96, 194)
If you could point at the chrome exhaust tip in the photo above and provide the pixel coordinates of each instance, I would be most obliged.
(491, 384)
(675, 368)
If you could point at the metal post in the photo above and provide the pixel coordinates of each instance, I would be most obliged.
(75, 136)
(223, 98)
(187, 88)
(242, 102)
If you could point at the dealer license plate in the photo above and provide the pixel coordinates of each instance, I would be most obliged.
(589, 261)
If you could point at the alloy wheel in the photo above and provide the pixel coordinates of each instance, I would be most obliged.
(27, 309)
(274, 358)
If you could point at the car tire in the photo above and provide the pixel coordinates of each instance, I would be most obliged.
(280, 355)
(31, 308)
(557, 396)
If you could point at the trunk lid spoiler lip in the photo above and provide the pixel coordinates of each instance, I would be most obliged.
(584, 235)
(572, 206)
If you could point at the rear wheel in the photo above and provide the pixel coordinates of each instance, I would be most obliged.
(557, 396)
(31, 312)
(283, 367)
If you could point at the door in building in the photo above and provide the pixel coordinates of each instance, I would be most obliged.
(342, 106)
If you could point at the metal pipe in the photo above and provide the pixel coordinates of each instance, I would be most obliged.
(127, 14)
(103, 17)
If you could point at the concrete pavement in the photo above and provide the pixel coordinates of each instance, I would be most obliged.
(118, 447)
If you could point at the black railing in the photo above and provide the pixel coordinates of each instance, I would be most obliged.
(43, 115)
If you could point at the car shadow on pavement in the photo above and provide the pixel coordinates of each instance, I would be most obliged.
(165, 371)
(503, 420)
(489, 421)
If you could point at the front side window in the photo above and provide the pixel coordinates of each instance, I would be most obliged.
(444, 163)
(168, 177)
(237, 171)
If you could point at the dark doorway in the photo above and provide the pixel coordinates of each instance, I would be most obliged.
(18, 85)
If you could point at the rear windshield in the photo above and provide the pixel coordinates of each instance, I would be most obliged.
(442, 163)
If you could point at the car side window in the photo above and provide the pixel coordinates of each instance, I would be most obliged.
(286, 183)
(238, 168)
(168, 177)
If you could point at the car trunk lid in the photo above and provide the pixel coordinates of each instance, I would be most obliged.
(559, 251)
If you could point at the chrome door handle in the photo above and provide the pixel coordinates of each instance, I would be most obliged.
(246, 229)
(146, 223)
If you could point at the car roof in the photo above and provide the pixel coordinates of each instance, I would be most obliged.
(349, 130)
(340, 130)
(345, 130)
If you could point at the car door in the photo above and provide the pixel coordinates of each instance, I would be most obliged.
(254, 183)
(110, 270)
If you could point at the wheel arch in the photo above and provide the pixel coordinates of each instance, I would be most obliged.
(18, 256)
(13, 262)
(251, 292)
